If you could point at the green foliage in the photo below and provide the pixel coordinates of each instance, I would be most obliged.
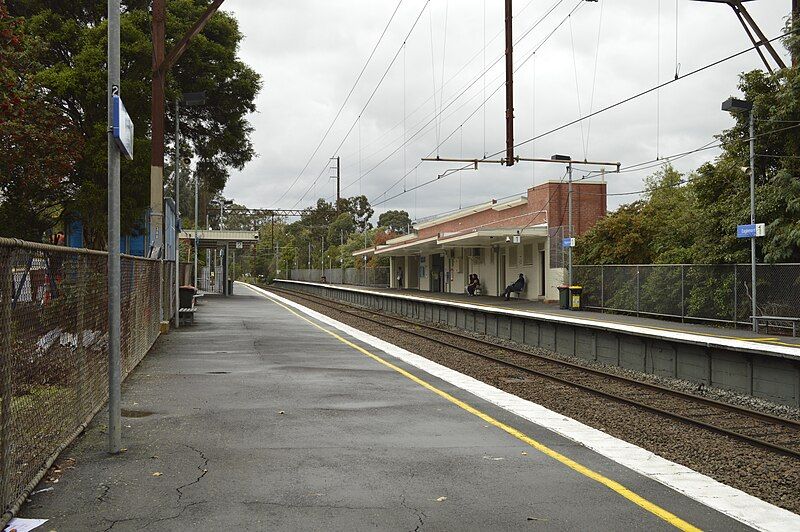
(71, 69)
(694, 220)
(397, 221)
(38, 148)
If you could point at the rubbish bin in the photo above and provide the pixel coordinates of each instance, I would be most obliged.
(230, 287)
(575, 297)
(563, 297)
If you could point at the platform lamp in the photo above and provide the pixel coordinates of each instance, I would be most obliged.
(734, 105)
(567, 159)
(192, 99)
(189, 99)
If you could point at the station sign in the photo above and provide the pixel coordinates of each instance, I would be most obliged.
(568, 242)
(122, 126)
(516, 239)
(750, 230)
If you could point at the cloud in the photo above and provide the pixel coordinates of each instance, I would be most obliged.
(310, 52)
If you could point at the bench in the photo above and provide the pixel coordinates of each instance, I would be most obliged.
(188, 307)
(786, 319)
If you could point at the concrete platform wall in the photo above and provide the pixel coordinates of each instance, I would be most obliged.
(758, 374)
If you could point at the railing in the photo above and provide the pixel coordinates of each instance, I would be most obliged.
(54, 348)
(691, 292)
(377, 277)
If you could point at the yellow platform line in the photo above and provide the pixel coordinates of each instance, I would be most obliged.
(618, 488)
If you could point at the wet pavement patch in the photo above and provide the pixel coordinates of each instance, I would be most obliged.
(136, 413)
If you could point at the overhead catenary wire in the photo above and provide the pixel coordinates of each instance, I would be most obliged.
(344, 103)
(374, 91)
(500, 86)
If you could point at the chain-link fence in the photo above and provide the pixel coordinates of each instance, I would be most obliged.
(377, 277)
(54, 347)
(695, 292)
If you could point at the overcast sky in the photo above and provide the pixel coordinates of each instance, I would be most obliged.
(309, 53)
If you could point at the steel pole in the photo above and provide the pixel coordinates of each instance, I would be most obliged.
(569, 219)
(177, 214)
(114, 285)
(196, 215)
(753, 215)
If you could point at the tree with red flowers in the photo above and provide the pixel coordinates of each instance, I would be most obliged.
(38, 147)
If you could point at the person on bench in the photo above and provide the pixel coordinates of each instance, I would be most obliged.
(474, 284)
(517, 286)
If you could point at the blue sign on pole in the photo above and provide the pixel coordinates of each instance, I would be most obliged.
(568, 243)
(122, 128)
(750, 230)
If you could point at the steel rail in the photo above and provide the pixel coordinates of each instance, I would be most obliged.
(746, 412)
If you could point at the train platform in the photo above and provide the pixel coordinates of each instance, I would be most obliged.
(625, 319)
(265, 415)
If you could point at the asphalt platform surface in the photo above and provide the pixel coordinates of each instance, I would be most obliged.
(254, 419)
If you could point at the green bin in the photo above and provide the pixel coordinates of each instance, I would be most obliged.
(563, 297)
(575, 297)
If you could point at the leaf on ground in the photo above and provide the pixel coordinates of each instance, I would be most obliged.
(440, 499)
(157, 474)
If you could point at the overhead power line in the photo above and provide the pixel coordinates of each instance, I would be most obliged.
(344, 103)
(375, 90)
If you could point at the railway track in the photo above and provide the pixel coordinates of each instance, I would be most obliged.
(756, 428)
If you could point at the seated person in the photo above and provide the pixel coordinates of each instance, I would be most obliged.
(474, 284)
(516, 286)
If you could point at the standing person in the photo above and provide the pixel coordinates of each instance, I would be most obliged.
(516, 286)
(400, 277)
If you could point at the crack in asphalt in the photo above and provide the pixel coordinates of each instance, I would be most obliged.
(203, 471)
(115, 521)
(177, 515)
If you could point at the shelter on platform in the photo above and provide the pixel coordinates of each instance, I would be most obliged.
(496, 240)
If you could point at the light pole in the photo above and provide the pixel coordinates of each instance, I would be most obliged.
(735, 105)
(114, 271)
(192, 99)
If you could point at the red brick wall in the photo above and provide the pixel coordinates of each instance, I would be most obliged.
(546, 203)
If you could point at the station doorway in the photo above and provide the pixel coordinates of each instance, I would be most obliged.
(437, 273)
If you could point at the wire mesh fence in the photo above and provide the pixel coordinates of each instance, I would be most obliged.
(377, 277)
(54, 347)
(695, 292)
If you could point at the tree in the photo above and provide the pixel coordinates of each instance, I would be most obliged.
(72, 58)
(38, 148)
(397, 221)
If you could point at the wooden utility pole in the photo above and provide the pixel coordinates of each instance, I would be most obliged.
(509, 87)
(338, 184)
(157, 128)
(161, 65)
(795, 27)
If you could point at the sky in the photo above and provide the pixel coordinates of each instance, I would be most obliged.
(426, 97)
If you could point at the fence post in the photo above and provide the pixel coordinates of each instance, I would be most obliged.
(80, 351)
(6, 363)
(735, 298)
(683, 297)
(637, 289)
(602, 289)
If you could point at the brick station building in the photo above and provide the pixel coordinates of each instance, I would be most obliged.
(497, 241)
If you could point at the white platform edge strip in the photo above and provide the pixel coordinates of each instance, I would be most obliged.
(709, 341)
(732, 502)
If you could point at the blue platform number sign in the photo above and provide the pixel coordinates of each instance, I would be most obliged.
(750, 230)
(122, 125)
(568, 243)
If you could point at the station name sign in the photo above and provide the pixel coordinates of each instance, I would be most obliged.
(122, 125)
